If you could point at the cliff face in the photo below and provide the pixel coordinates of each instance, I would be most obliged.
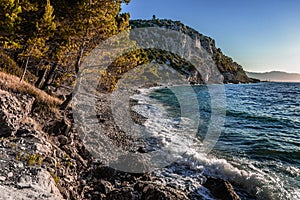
(231, 71)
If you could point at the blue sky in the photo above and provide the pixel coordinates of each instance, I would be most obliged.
(261, 35)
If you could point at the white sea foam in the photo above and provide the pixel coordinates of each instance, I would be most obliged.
(192, 167)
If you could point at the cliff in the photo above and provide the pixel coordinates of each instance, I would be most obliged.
(230, 70)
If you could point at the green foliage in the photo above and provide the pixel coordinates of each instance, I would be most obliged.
(35, 46)
(34, 159)
(34, 34)
(9, 66)
(132, 59)
(10, 18)
(120, 66)
(224, 63)
(31, 159)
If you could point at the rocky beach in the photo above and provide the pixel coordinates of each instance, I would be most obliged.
(43, 157)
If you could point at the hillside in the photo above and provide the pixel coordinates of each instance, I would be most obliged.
(276, 76)
(231, 71)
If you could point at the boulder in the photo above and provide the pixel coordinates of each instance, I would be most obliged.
(221, 189)
(61, 127)
(104, 187)
(125, 193)
(150, 191)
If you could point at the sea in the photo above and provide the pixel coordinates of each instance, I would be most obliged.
(255, 146)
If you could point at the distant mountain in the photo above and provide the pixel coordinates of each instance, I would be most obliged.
(276, 76)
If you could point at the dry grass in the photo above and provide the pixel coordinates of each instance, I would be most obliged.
(44, 102)
(9, 66)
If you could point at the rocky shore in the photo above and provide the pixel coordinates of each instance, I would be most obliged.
(43, 157)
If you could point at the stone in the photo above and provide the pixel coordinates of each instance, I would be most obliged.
(2, 178)
(10, 114)
(141, 150)
(104, 172)
(221, 189)
(225, 70)
(41, 186)
(50, 160)
(125, 193)
(104, 187)
(63, 140)
(61, 127)
(151, 191)
(10, 174)
(13, 109)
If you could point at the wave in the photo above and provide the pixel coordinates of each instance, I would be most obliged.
(247, 176)
(262, 118)
(263, 179)
(254, 180)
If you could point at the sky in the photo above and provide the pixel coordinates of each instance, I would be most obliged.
(261, 35)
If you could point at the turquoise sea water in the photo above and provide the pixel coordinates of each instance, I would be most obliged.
(259, 147)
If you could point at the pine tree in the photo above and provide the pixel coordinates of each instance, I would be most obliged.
(101, 20)
(36, 46)
(10, 18)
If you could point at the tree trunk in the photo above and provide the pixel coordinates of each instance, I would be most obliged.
(66, 103)
(42, 74)
(24, 70)
(49, 76)
(69, 97)
(80, 54)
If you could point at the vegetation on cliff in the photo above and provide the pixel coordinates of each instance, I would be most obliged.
(232, 71)
(146, 56)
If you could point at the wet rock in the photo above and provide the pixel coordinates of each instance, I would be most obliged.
(146, 177)
(142, 150)
(221, 189)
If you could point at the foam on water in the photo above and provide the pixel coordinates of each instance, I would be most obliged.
(191, 167)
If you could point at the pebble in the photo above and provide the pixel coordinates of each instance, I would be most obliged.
(19, 165)
(10, 174)
(2, 178)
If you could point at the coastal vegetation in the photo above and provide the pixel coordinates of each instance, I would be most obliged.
(43, 42)
(42, 46)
